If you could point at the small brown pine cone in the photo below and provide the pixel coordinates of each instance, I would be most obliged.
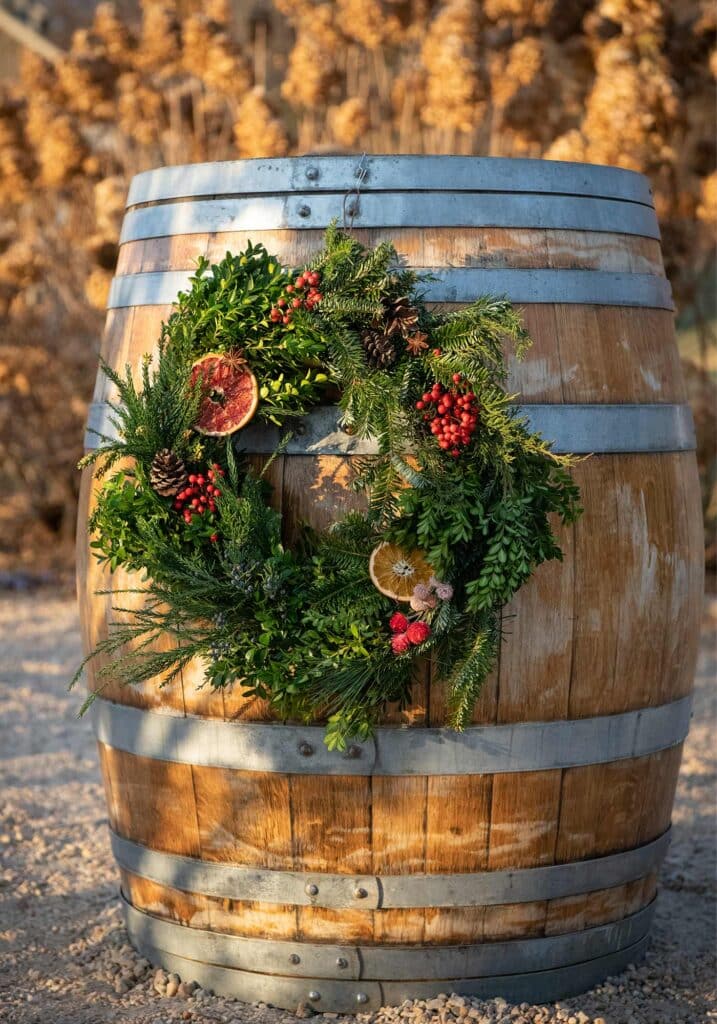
(379, 348)
(168, 474)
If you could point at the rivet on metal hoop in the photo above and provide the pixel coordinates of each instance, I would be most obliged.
(361, 997)
(359, 893)
(311, 889)
(304, 210)
(312, 173)
(352, 208)
(353, 752)
(342, 962)
(294, 958)
(305, 749)
(314, 996)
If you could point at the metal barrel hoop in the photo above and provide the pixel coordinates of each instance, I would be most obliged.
(390, 210)
(580, 429)
(340, 977)
(317, 173)
(393, 751)
(453, 284)
(388, 892)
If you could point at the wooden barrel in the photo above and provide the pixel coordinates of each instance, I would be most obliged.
(520, 857)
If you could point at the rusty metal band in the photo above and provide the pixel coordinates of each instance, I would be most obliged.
(355, 978)
(480, 749)
(453, 284)
(388, 892)
(298, 211)
(580, 429)
(388, 173)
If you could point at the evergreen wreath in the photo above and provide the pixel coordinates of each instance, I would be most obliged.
(459, 496)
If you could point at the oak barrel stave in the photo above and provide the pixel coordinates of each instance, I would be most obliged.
(612, 629)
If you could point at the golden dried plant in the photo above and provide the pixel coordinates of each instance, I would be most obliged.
(628, 82)
(257, 129)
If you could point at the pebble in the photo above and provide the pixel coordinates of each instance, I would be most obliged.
(77, 966)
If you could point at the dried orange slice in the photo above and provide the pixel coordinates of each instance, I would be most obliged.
(230, 394)
(395, 571)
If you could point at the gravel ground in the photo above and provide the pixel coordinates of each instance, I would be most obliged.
(64, 956)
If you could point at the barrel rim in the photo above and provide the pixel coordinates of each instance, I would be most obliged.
(427, 171)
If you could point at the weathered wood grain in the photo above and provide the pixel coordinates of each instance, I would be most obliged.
(613, 627)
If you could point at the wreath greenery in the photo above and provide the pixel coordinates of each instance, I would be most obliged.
(458, 498)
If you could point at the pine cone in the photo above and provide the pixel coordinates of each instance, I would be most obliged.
(379, 348)
(168, 473)
(400, 315)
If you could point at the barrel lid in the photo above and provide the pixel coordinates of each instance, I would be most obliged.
(386, 173)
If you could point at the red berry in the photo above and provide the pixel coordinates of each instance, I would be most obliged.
(457, 378)
(286, 319)
(455, 453)
(318, 297)
(214, 538)
(300, 281)
(314, 278)
(436, 352)
(289, 288)
(281, 302)
(195, 502)
(420, 405)
(418, 632)
(217, 492)
(192, 478)
(426, 396)
(444, 444)
(296, 303)
(398, 623)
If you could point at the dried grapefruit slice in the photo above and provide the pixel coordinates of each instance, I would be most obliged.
(230, 393)
(395, 571)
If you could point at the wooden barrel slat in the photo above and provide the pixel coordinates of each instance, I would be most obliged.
(612, 629)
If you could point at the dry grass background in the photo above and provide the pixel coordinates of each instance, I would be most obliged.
(626, 82)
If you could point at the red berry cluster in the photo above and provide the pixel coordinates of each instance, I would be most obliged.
(407, 634)
(302, 294)
(199, 495)
(455, 416)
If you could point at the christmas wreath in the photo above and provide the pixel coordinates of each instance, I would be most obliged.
(458, 495)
